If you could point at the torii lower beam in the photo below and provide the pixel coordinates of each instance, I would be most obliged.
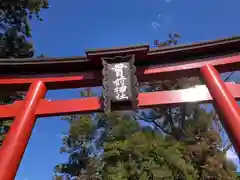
(46, 108)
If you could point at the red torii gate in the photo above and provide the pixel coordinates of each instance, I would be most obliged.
(42, 74)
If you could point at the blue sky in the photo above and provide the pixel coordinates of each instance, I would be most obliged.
(69, 28)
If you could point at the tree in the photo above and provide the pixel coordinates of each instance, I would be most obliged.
(134, 152)
(15, 38)
(130, 151)
(15, 28)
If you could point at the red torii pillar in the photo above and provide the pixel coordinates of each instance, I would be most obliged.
(225, 104)
(17, 138)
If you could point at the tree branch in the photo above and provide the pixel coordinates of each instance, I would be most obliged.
(150, 120)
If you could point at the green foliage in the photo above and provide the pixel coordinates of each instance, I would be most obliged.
(14, 25)
(132, 152)
(203, 148)
(172, 40)
(135, 152)
(15, 34)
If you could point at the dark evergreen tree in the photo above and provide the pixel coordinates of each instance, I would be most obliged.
(15, 40)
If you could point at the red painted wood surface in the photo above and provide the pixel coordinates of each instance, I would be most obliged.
(16, 141)
(149, 73)
(225, 104)
(92, 104)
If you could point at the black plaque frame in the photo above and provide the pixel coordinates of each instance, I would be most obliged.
(109, 103)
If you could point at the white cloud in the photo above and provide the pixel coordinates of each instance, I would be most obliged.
(168, 1)
(231, 154)
(160, 15)
(60, 136)
(156, 25)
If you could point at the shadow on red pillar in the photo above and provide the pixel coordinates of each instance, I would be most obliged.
(15, 143)
(224, 103)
